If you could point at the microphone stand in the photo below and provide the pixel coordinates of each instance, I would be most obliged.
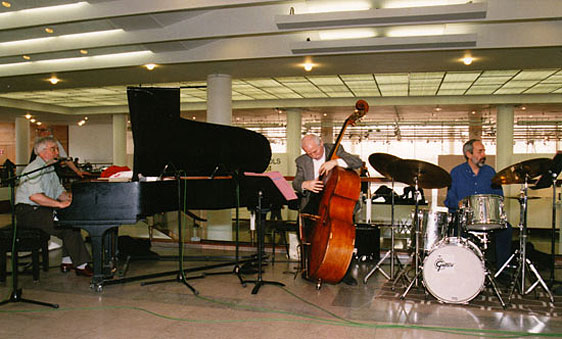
(16, 294)
(180, 276)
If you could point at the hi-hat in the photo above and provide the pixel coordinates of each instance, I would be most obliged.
(426, 174)
(381, 162)
(523, 171)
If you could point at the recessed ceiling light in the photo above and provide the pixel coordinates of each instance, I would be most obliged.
(308, 66)
(523, 108)
(150, 67)
(467, 60)
(83, 51)
(6, 4)
(26, 57)
(54, 80)
(438, 109)
(49, 30)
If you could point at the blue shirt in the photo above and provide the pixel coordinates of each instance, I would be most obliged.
(465, 183)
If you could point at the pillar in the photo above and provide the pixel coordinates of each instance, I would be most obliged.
(219, 111)
(504, 156)
(22, 142)
(120, 139)
(294, 135)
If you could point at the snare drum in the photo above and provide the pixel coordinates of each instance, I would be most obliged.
(454, 271)
(433, 227)
(484, 212)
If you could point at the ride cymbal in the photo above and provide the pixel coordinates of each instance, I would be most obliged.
(381, 162)
(426, 174)
(523, 171)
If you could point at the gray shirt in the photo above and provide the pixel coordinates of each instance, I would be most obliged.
(44, 181)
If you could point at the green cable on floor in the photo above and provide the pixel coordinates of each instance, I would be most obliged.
(339, 321)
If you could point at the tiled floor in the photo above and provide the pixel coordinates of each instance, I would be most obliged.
(226, 309)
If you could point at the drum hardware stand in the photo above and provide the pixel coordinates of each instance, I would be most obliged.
(553, 175)
(416, 260)
(483, 239)
(523, 262)
(391, 252)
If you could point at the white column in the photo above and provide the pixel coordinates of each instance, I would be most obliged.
(219, 111)
(120, 139)
(22, 142)
(294, 123)
(504, 157)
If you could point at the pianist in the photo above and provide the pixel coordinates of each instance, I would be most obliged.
(38, 195)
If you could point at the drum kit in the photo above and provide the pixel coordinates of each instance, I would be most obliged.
(453, 268)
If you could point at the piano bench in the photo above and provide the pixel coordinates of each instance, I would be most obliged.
(29, 240)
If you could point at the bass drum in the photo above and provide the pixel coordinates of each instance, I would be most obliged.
(454, 271)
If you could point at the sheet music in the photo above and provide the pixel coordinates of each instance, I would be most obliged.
(282, 185)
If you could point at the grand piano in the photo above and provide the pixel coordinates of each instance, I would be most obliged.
(210, 155)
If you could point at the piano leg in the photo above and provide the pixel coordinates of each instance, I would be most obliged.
(97, 236)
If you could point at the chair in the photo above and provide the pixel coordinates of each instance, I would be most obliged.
(29, 240)
(281, 228)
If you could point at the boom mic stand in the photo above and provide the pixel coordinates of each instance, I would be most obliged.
(16, 294)
(181, 276)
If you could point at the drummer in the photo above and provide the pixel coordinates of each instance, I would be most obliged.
(475, 177)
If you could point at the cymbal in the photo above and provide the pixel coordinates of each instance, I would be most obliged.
(381, 162)
(427, 175)
(528, 169)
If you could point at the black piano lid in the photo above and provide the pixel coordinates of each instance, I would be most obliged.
(162, 137)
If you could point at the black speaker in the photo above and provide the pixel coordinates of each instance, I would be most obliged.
(367, 242)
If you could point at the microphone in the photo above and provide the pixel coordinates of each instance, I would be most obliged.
(163, 172)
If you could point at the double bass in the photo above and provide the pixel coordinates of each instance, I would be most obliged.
(332, 236)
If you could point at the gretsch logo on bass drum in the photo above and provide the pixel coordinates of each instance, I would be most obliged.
(440, 263)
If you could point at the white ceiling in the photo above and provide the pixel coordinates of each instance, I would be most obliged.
(406, 57)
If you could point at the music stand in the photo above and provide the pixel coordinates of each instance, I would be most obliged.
(267, 189)
(16, 294)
